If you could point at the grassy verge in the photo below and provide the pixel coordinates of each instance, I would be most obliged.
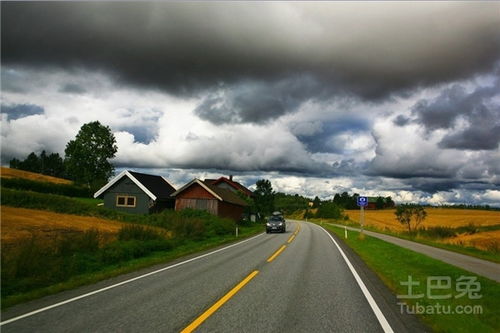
(112, 270)
(90, 201)
(471, 251)
(394, 265)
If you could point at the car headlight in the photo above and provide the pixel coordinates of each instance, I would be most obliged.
(281, 224)
(268, 224)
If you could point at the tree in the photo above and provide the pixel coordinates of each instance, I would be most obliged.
(380, 203)
(389, 202)
(316, 202)
(329, 209)
(87, 156)
(264, 197)
(51, 165)
(407, 212)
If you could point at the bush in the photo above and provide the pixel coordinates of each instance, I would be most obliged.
(437, 232)
(329, 210)
(138, 232)
(469, 229)
(46, 187)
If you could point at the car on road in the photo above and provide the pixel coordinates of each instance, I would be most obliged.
(276, 224)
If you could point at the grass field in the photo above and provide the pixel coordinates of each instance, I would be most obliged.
(14, 173)
(487, 224)
(394, 264)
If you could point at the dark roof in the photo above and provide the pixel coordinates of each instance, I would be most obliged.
(232, 183)
(226, 195)
(155, 184)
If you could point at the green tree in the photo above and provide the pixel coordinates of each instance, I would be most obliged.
(87, 157)
(316, 202)
(380, 203)
(329, 210)
(264, 197)
(411, 216)
(389, 202)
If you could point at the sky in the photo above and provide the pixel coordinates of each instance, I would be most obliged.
(376, 98)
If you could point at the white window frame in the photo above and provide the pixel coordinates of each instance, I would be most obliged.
(126, 197)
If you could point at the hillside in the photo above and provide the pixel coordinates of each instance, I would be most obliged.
(21, 223)
(14, 173)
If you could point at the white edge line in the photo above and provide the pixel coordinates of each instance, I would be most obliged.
(121, 283)
(378, 313)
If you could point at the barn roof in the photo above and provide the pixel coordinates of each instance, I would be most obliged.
(219, 193)
(233, 184)
(156, 187)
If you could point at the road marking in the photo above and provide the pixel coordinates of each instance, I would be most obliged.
(378, 313)
(277, 253)
(198, 321)
(122, 283)
(297, 230)
(291, 238)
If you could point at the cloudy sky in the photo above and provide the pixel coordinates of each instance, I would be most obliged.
(378, 98)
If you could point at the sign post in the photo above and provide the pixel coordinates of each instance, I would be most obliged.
(362, 203)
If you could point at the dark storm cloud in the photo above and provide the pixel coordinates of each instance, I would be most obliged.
(323, 141)
(142, 134)
(401, 120)
(473, 138)
(429, 185)
(259, 101)
(21, 110)
(72, 88)
(477, 108)
(370, 50)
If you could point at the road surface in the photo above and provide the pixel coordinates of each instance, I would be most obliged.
(478, 266)
(294, 282)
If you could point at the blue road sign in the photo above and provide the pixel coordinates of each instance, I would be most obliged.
(362, 201)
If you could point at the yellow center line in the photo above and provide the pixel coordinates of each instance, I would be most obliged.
(198, 321)
(297, 230)
(291, 239)
(277, 253)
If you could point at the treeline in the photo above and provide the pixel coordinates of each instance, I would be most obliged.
(50, 165)
(464, 206)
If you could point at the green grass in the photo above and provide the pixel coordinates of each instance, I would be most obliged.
(158, 257)
(90, 201)
(394, 264)
(471, 251)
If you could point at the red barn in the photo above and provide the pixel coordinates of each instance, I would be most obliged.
(203, 195)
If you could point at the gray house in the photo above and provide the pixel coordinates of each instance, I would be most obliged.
(139, 193)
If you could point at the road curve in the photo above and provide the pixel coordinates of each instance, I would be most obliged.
(293, 282)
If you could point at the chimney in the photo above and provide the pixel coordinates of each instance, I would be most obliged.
(231, 177)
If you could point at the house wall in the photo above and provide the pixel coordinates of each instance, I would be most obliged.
(195, 191)
(127, 187)
(210, 205)
(230, 211)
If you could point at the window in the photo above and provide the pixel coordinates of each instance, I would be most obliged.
(125, 201)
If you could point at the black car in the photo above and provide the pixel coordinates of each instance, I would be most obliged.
(276, 223)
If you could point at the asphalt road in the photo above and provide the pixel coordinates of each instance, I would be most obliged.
(293, 282)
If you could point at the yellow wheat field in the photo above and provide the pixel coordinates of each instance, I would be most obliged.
(385, 220)
(14, 173)
(21, 223)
